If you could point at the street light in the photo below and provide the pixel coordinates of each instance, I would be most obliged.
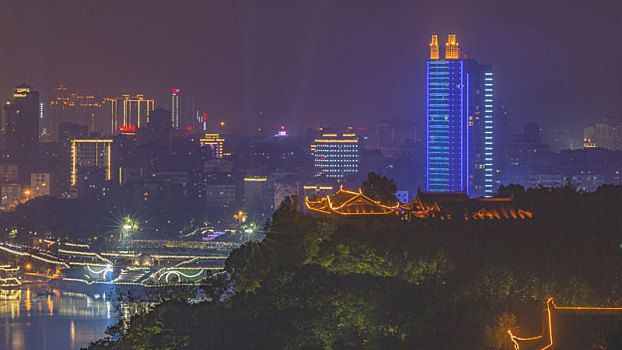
(128, 226)
(27, 193)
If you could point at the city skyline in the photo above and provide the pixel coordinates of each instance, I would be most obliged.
(319, 62)
(324, 174)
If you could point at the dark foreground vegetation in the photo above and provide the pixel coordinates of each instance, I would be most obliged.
(383, 283)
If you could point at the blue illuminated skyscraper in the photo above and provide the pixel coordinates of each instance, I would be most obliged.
(460, 137)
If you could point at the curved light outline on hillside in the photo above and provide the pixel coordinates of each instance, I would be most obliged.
(103, 271)
(178, 274)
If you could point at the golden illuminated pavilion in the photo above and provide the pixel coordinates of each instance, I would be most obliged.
(349, 203)
(457, 205)
(571, 328)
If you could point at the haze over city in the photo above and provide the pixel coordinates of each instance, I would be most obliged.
(308, 63)
(310, 174)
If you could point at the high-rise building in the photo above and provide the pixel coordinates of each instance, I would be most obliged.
(22, 129)
(175, 109)
(215, 142)
(460, 122)
(257, 191)
(154, 141)
(525, 152)
(608, 135)
(336, 155)
(92, 154)
(130, 112)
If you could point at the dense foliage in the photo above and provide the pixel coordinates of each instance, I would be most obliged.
(380, 188)
(384, 283)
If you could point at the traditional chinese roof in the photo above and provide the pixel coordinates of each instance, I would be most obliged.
(571, 328)
(457, 205)
(349, 203)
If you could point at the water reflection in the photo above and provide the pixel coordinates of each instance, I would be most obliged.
(43, 318)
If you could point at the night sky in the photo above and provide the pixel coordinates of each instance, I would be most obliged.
(310, 63)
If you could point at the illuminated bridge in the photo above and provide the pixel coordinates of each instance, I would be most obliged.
(144, 263)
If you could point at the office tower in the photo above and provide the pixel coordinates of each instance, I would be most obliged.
(154, 142)
(257, 192)
(336, 155)
(22, 129)
(608, 135)
(215, 142)
(526, 152)
(90, 154)
(175, 109)
(460, 122)
(130, 112)
(159, 126)
(190, 118)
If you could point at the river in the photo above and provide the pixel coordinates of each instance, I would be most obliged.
(46, 318)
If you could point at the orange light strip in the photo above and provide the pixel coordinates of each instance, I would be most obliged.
(548, 311)
(434, 48)
(356, 195)
(550, 303)
(515, 339)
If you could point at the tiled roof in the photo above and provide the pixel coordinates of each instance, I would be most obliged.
(349, 203)
(457, 205)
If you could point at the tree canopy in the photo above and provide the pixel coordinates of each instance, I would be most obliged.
(380, 188)
(327, 282)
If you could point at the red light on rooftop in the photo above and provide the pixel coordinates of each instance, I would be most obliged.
(189, 128)
(175, 91)
(282, 127)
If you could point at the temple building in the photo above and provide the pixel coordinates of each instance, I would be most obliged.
(350, 203)
(572, 328)
(457, 205)
(427, 205)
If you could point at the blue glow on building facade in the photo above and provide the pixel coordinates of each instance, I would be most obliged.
(459, 125)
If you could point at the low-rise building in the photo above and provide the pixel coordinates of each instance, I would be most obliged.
(40, 184)
(10, 194)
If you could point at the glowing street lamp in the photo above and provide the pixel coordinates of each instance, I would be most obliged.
(27, 194)
(128, 226)
(251, 232)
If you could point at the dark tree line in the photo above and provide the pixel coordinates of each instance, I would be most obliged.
(321, 282)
